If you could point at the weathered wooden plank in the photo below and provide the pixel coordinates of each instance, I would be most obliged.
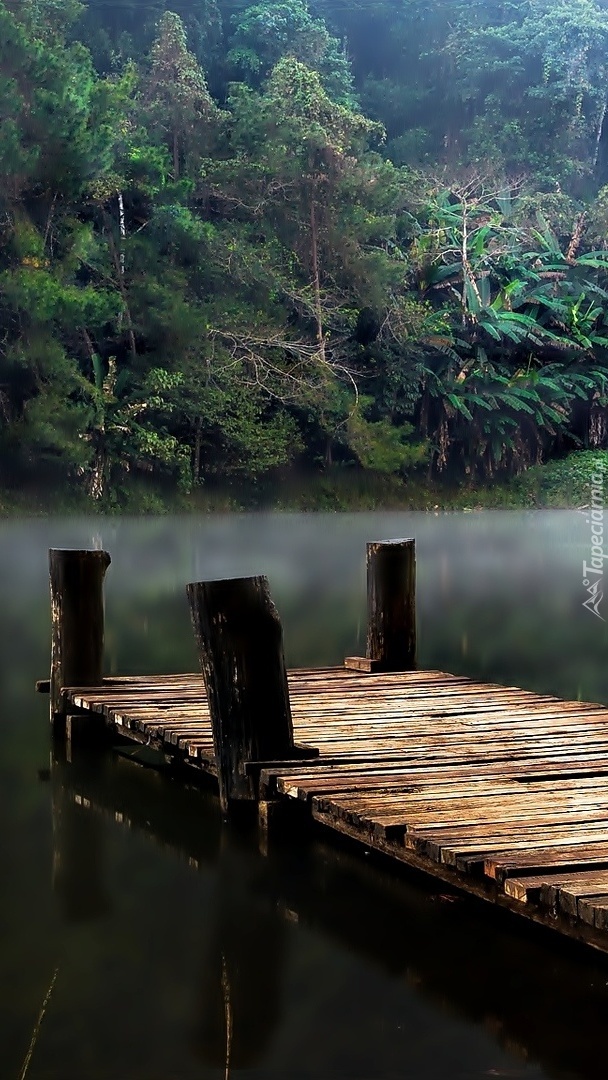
(533, 861)
(362, 663)
(528, 889)
(490, 798)
(487, 779)
(594, 911)
(473, 860)
(474, 845)
(372, 775)
(569, 895)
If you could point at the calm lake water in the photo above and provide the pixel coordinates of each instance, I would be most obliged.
(170, 945)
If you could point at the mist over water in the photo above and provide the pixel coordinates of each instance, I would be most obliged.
(123, 882)
(499, 593)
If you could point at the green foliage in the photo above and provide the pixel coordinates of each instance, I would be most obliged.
(499, 87)
(177, 106)
(48, 411)
(520, 349)
(48, 102)
(267, 32)
(565, 482)
(203, 278)
(382, 446)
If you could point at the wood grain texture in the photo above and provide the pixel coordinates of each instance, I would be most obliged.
(77, 620)
(240, 643)
(499, 790)
(391, 605)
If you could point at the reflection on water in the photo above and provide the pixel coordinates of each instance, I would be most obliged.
(180, 949)
(78, 849)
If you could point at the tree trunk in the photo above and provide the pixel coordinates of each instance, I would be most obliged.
(123, 231)
(120, 278)
(96, 479)
(316, 275)
(198, 439)
(97, 475)
(599, 134)
(175, 154)
(598, 424)
(467, 270)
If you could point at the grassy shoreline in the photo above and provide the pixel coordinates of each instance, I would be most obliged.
(560, 484)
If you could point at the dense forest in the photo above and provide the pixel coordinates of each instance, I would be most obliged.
(242, 238)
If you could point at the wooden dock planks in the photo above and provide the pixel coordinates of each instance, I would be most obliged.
(502, 791)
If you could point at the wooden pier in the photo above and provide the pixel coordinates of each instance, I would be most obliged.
(498, 791)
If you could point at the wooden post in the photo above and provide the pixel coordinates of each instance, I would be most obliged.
(240, 643)
(77, 621)
(391, 608)
(391, 604)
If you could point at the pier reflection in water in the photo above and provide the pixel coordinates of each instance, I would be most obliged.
(473, 993)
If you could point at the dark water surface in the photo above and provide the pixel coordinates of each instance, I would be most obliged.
(175, 949)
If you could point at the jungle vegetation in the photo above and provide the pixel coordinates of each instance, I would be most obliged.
(238, 239)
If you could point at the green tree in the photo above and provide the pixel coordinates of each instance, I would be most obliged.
(312, 216)
(56, 138)
(177, 106)
(524, 331)
(268, 32)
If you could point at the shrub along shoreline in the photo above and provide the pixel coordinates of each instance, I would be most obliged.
(560, 484)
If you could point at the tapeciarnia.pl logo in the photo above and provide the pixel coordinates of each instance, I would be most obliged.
(593, 572)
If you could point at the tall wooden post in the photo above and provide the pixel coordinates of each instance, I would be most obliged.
(77, 620)
(391, 604)
(391, 608)
(240, 644)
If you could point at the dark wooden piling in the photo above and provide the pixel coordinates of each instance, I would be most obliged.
(240, 644)
(77, 622)
(391, 608)
(391, 604)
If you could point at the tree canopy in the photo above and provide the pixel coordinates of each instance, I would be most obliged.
(238, 237)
